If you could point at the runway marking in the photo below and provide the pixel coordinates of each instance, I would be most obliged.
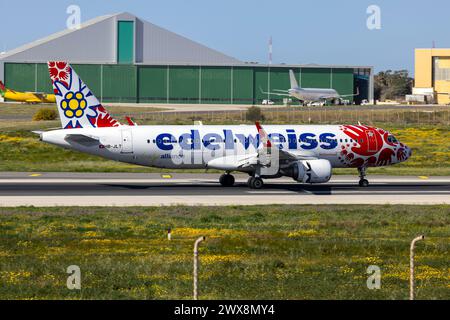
(35, 175)
(215, 200)
(423, 177)
(385, 191)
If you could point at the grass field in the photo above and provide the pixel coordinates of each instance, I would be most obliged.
(271, 252)
(427, 132)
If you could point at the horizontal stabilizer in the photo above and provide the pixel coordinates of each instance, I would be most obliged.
(275, 93)
(82, 139)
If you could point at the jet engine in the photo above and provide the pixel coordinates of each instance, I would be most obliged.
(311, 171)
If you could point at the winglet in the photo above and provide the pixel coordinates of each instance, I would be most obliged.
(263, 136)
(262, 91)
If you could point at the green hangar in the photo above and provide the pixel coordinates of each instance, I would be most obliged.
(125, 59)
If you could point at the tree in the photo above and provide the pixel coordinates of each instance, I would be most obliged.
(392, 84)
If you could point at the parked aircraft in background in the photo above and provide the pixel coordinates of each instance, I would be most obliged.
(307, 153)
(28, 97)
(310, 95)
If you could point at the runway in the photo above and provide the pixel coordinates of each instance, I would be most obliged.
(117, 189)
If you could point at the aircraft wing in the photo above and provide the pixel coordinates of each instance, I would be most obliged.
(351, 95)
(82, 139)
(262, 158)
(330, 96)
(39, 95)
(275, 93)
(324, 97)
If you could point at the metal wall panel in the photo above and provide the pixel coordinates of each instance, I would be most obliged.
(215, 85)
(184, 84)
(242, 85)
(342, 82)
(119, 83)
(152, 84)
(20, 76)
(91, 76)
(316, 77)
(43, 82)
(261, 82)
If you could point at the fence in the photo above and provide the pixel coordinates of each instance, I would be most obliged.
(299, 116)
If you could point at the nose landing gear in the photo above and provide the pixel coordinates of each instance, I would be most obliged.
(362, 174)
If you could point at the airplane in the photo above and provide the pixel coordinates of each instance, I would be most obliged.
(309, 95)
(28, 97)
(306, 153)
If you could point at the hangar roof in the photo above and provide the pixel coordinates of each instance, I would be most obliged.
(96, 42)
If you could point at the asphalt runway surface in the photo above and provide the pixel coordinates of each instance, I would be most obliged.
(140, 189)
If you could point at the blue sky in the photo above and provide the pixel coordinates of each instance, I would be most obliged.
(319, 31)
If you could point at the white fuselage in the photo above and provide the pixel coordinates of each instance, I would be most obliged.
(193, 146)
(313, 94)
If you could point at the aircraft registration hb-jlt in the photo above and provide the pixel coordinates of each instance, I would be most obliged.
(307, 153)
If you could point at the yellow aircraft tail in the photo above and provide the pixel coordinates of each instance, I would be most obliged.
(28, 97)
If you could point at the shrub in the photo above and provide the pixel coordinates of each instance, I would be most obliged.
(45, 114)
(254, 114)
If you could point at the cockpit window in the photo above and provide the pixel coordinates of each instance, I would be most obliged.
(392, 139)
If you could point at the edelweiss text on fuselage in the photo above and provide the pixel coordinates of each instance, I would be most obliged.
(214, 141)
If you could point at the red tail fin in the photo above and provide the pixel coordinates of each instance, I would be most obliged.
(2, 88)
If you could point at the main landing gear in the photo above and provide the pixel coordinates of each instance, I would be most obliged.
(362, 174)
(226, 180)
(255, 182)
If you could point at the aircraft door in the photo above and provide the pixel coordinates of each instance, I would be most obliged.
(127, 141)
(371, 141)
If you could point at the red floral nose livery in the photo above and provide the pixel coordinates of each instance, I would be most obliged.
(365, 146)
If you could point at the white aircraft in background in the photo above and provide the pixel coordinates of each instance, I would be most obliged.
(307, 153)
(309, 95)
